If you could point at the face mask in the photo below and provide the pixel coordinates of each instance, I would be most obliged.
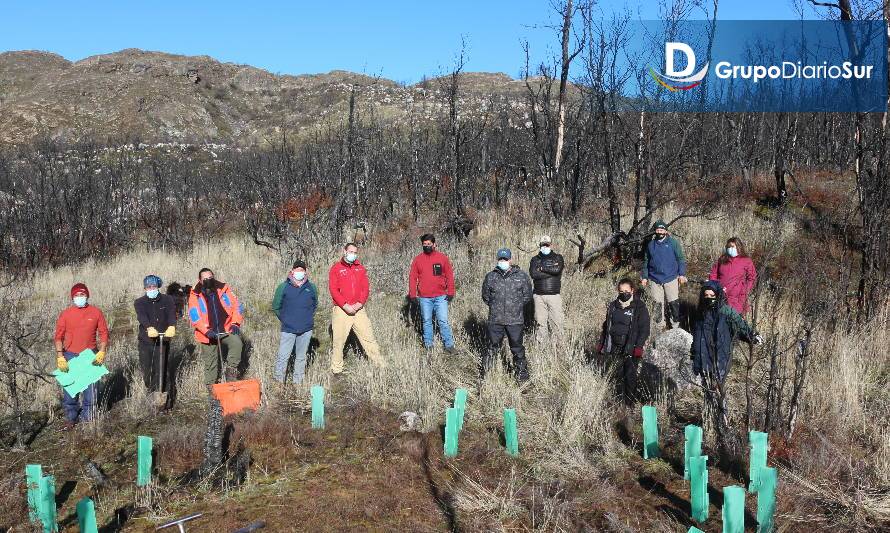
(624, 296)
(732, 252)
(351, 257)
(711, 302)
(152, 293)
(545, 250)
(209, 283)
(80, 301)
(427, 249)
(504, 265)
(299, 276)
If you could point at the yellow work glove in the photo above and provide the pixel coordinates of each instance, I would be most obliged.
(100, 357)
(152, 332)
(62, 363)
(170, 332)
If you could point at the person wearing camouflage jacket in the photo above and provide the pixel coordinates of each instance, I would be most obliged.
(506, 290)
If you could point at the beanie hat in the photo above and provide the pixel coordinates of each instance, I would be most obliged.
(299, 263)
(151, 279)
(659, 224)
(80, 287)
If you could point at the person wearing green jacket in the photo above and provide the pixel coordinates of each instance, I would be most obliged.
(294, 303)
(664, 270)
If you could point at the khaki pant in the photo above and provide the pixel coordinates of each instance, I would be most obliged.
(549, 318)
(667, 301)
(341, 325)
(231, 346)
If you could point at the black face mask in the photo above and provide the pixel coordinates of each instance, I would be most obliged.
(624, 296)
(711, 303)
(209, 284)
(427, 249)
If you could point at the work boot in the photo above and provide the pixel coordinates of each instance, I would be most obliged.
(231, 373)
(520, 371)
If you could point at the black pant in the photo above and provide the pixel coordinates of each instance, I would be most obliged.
(629, 366)
(513, 332)
(149, 361)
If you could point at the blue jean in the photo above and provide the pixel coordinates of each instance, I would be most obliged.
(298, 345)
(82, 406)
(435, 306)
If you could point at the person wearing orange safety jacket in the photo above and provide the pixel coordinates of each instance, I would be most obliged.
(215, 315)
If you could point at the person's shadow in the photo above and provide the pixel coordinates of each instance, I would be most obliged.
(411, 316)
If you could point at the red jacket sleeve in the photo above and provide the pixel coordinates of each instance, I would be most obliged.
(448, 272)
(364, 288)
(413, 275)
(713, 275)
(102, 326)
(334, 287)
(750, 276)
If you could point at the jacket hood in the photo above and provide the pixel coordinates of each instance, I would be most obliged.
(715, 286)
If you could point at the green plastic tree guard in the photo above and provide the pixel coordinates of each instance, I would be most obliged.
(692, 447)
(511, 437)
(757, 460)
(86, 516)
(733, 509)
(766, 499)
(693, 529)
(33, 475)
(698, 488)
(143, 461)
(48, 504)
(317, 392)
(650, 432)
(460, 402)
(452, 428)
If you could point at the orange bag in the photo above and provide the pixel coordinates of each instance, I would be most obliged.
(236, 396)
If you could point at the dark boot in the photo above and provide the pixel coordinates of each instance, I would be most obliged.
(520, 370)
(673, 311)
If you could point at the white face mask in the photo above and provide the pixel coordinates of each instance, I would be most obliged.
(152, 293)
(351, 257)
(732, 251)
(80, 301)
(299, 275)
(504, 265)
(545, 250)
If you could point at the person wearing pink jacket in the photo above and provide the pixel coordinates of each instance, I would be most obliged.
(735, 271)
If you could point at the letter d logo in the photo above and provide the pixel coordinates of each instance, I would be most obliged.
(670, 49)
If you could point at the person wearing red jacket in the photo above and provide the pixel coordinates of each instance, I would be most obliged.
(348, 284)
(736, 273)
(76, 331)
(431, 283)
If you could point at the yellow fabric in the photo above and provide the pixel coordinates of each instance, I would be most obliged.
(152, 332)
(100, 357)
(341, 325)
(170, 332)
(62, 364)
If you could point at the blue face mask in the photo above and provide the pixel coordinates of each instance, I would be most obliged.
(504, 265)
(299, 276)
(545, 250)
(351, 257)
(152, 293)
(80, 301)
(732, 252)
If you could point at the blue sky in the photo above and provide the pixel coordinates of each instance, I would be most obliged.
(398, 39)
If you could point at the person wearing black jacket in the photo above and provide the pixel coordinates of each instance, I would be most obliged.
(156, 314)
(624, 334)
(546, 271)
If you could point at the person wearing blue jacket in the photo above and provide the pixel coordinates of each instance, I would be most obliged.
(716, 328)
(664, 270)
(294, 303)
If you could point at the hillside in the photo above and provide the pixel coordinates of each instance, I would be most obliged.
(158, 97)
